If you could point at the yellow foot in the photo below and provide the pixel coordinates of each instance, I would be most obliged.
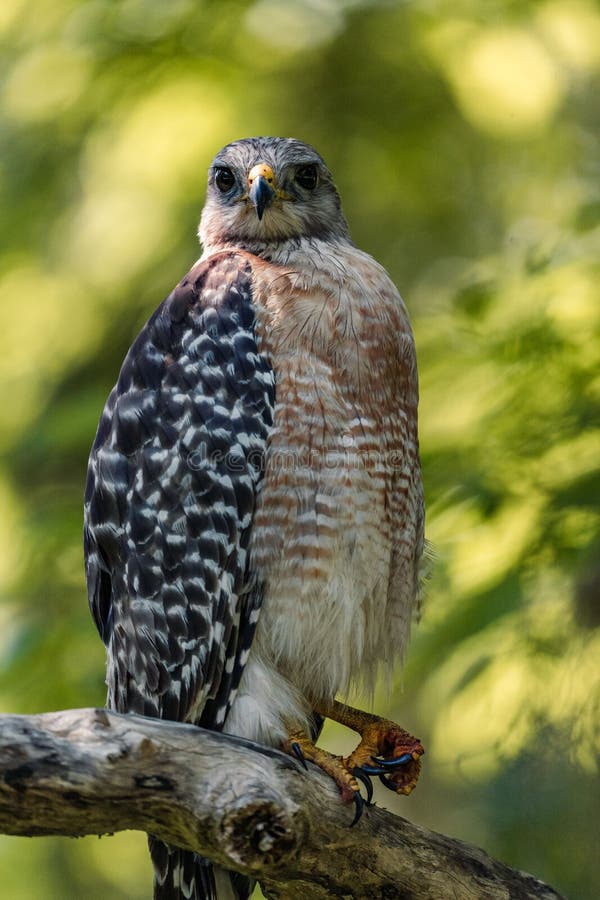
(391, 753)
(385, 749)
(300, 746)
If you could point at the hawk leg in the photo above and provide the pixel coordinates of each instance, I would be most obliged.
(385, 749)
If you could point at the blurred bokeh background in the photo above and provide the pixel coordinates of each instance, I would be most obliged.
(464, 137)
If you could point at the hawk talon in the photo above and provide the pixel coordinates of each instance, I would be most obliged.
(393, 763)
(366, 781)
(388, 783)
(384, 765)
(297, 751)
(371, 770)
(359, 803)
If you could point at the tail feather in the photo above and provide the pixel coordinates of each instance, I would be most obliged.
(183, 875)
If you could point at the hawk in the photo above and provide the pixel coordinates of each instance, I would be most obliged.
(254, 508)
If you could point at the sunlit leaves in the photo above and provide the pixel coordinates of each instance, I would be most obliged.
(464, 138)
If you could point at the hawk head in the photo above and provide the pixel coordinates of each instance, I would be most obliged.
(267, 190)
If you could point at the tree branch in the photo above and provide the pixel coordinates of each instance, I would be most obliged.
(247, 807)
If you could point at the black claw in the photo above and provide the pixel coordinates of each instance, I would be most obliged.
(372, 770)
(366, 781)
(359, 803)
(392, 763)
(297, 751)
(388, 783)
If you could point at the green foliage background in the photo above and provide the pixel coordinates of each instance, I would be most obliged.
(464, 139)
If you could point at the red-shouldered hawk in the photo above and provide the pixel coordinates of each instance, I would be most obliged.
(254, 508)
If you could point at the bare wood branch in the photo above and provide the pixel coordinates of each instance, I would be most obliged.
(247, 807)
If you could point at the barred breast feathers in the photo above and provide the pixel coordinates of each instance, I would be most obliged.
(342, 486)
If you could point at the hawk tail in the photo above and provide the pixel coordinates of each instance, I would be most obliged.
(183, 875)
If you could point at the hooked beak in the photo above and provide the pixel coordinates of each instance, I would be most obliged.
(261, 184)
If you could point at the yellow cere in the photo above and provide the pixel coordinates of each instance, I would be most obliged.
(264, 170)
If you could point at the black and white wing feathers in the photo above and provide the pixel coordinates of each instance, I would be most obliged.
(170, 496)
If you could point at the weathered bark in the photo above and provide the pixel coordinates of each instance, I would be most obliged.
(90, 771)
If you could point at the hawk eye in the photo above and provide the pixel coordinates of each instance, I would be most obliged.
(224, 179)
(306, 177)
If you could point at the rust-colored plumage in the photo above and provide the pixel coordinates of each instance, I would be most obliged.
(338, 528)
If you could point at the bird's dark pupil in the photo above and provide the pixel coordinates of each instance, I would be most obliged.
(224, 179)
(307, 177)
